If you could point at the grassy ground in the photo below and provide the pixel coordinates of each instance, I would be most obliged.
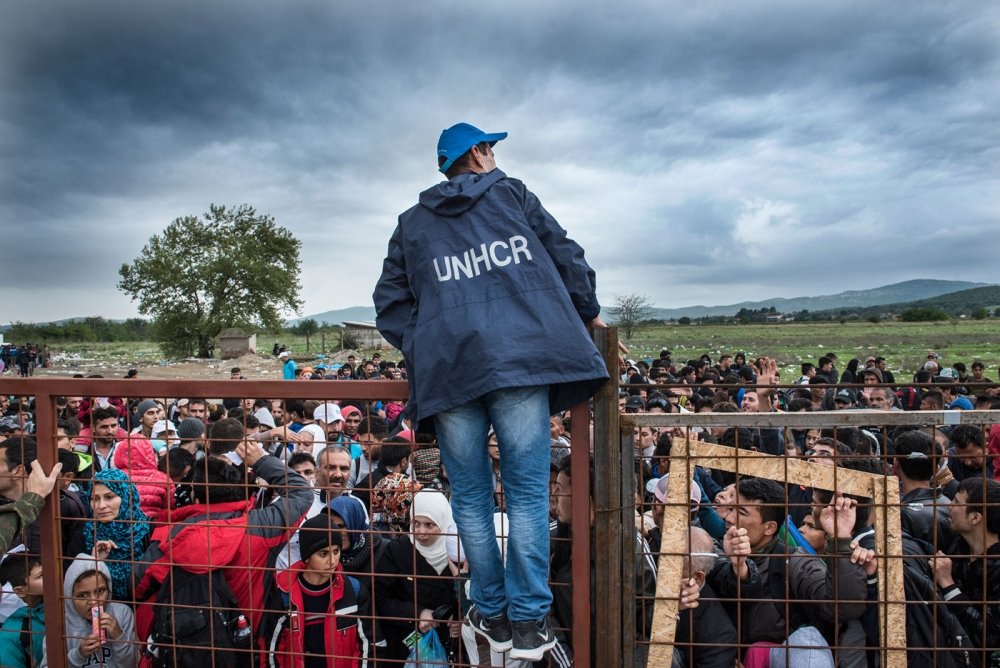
(904, 345)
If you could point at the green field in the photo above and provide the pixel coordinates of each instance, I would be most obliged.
(903, 344)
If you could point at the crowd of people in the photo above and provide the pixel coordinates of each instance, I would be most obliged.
(321, 533)
(23, 359)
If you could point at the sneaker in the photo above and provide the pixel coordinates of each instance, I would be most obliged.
(495, 629)
(532, 640)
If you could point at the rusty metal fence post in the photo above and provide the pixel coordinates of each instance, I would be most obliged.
(614, 501)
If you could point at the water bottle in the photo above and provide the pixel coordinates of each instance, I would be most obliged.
(242, 634)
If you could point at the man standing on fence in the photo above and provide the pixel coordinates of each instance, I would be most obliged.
(489, 301)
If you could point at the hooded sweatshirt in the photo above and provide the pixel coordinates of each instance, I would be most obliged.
(121, 651)
(135, 456)
(478, 276)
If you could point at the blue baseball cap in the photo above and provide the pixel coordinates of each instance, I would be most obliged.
(458, 139)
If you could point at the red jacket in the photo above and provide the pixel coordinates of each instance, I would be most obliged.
(238, 540)
(346, 624)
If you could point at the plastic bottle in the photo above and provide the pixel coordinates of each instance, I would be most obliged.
(242, 634)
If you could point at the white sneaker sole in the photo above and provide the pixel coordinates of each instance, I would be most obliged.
(533, 654)
(494, 645)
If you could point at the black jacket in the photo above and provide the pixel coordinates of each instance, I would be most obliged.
(405, 584)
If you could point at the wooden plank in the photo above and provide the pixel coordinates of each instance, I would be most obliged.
(889, 544)
(816, 419)
(774, 467)
(673, 549)
(882, 489)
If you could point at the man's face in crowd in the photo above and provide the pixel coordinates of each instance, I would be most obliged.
(961, 521)
(371, 446)
(197, 410)
(813, 534)
(842, 405)
(725, 363)
(869, 379)
(105, 430)
(150, 417)
(977, 372)
(351, 423)
(234, 375)
(10, 480)
(247, 404)
(63, 440)
(644, 437)
(823, 453)
(750, 404)
(879, 401)
(73, 404)
(333, 430)
(827, 368)
(278, 412)
(621, 404)
(369, 368)
(971, 456)
(333, 472)
(745, 514)
(555, 426)
(307, 470)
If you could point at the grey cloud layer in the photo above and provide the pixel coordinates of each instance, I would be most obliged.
(701, 154)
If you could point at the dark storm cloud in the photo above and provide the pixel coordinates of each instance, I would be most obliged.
(700, 151)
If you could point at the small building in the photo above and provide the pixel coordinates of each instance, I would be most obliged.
(364, 335)
(235, 343)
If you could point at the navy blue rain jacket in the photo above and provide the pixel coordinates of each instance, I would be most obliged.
(482, 290)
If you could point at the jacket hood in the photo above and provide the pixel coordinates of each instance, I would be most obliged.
(456, 196)
(135, 453)
(81, 564)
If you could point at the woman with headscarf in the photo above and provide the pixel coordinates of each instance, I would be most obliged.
(114, 501)
(362, 547)
(415, 580)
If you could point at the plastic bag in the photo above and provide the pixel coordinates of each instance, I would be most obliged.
(427, 652)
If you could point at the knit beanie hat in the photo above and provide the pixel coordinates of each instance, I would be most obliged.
(318, 532)
(144, 406)
(190, 429)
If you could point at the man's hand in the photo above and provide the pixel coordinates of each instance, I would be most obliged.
(690, 593)
(597, 323)
(837, 519)
(768, 371)
(426, 621)
(865, 557)
(941, 566)
(736, 544)
(38, 482)
(250, 452)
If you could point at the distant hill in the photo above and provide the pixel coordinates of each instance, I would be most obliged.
(962, 302)
(335, 317)
(907, 291)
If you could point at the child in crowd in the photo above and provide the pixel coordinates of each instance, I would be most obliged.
(22, 636)
(87, 588)
(328, 624)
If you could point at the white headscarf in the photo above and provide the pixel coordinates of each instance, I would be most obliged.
(434, 506)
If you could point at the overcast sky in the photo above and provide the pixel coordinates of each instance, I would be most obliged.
(702, 153)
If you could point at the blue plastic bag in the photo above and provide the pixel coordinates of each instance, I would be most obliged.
(427, 652)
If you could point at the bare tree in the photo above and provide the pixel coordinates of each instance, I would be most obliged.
(629, 311)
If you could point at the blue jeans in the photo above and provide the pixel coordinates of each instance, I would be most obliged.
(520, 417)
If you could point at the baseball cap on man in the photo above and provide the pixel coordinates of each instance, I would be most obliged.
(327, 413)
(459, 138)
